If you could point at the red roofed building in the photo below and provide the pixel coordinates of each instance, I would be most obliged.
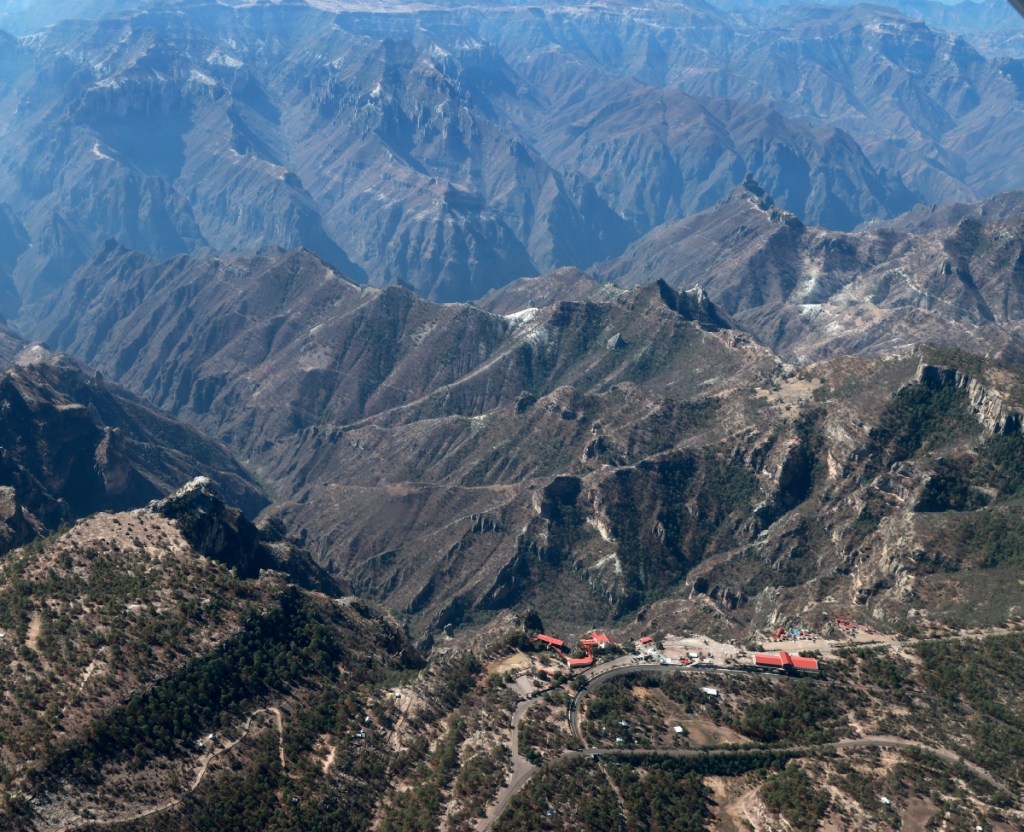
(805, 663)
(586, 661)
(768, 660)
(601, 638)
(646, 640)
(550, 640)
(785, 661)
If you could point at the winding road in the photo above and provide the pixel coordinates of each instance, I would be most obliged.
(523, 770)
(609, 673)
(874, 741)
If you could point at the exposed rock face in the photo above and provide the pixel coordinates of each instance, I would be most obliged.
(221, 532)
(988, 405)
(73, 445)
(950, 276)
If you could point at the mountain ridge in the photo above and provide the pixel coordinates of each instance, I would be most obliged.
(620, 445)
(502, 159)
(75, 444)
(944, 275)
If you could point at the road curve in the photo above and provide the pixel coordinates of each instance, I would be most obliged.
(573, 713)
(522, 770)
(838, 745)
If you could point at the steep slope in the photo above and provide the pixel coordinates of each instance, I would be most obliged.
(13, 243)
(137, 670)
(503, 152)
(222, 533)
(447, 402)
(150, 688)
(626, 453)
(866, 483)
(949, 275)
(908, 93)
(608, 450)
(255, 348)
(918, 100)
(218, 341)
(73, 445)
(11, 344)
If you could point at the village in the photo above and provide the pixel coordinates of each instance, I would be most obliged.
(692, 696)
(793, 649)
(680, 652)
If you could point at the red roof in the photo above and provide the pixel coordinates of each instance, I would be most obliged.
(588, 642)
(784, 659)
(601, 638)
(646, 640)
(554, 642)
(586, 661)
(768, 659)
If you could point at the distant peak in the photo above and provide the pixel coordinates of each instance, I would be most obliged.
(197, 484)
(111, 249)
(34, 354)
(750, 185)
(693, 304)
(750, 191)
(703, 310)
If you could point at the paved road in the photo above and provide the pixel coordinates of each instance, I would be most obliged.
(522, 770)
(609, 673)
(859, 742)
(521, 774)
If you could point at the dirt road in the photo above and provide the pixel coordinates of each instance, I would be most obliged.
(196, 781)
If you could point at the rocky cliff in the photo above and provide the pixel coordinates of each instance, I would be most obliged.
(73, 444)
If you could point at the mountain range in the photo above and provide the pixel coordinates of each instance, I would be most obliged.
(620, 444)
(456, 149)
(345, 347)
(321, 384)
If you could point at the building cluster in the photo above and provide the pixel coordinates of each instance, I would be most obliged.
(595, 641)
